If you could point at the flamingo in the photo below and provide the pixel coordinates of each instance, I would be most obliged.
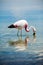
(22, 24)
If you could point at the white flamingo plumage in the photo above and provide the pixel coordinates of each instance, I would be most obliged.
(22, 24)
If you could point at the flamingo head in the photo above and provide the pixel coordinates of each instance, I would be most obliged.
(34, 31)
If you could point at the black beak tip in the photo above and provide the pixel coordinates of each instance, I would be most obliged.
(34, 33)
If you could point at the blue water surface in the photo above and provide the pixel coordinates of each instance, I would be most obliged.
(17, 50)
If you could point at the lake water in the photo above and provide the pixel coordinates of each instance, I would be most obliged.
(21, 50)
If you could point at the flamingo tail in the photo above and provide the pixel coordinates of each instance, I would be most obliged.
(11, 26)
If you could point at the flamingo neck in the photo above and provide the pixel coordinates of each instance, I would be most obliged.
(27, 29)
(31, 27)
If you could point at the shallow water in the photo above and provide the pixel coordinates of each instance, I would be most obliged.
(21, 50)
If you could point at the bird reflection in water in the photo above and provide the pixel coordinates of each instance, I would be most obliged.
(20, 44)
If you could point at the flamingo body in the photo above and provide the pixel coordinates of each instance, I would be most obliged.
(22, 24)
(19, 24)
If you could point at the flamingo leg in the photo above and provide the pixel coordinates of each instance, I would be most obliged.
(21, 32)
(18, 32)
